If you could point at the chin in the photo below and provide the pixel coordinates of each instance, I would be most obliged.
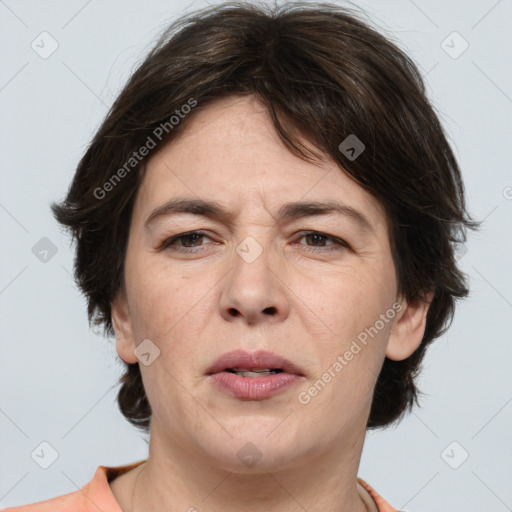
(252, 459)
(254, 450)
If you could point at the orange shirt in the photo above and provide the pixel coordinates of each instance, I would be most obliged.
(96, 495)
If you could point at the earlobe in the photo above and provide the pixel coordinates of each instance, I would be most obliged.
(121, 322)
(408, 329)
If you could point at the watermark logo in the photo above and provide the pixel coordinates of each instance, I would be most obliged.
(147, 352)
(454, 455)
(137, 156)
(305, 397)
(44, 45)
(44, 250)
(44, 455)
(352, 147)
(454, 45)
(249, 249)
(249, 455)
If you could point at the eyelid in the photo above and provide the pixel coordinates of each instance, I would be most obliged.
(337, 245)
(321, 233)
(167, 241)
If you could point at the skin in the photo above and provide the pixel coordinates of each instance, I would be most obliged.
(196, 307)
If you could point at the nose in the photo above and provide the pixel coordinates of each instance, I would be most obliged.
(253, 290)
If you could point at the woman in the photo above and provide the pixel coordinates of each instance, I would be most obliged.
(266, 222)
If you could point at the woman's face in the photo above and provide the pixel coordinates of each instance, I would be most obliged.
(256, 282)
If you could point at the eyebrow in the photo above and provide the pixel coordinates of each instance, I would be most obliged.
(288, 211)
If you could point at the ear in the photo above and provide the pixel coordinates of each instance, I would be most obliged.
(122, 323)
(408, 328)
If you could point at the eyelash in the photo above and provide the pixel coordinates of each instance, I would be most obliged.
(167, 244)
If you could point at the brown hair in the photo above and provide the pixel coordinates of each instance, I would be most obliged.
(321, 71)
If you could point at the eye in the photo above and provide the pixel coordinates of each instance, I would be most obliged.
(188, 242)
(317, 238)
(191, 237)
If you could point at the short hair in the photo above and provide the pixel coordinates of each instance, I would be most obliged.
(324, 74)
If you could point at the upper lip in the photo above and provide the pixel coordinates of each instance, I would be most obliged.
(252, 360)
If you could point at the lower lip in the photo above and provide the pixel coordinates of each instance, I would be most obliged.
(253, 388)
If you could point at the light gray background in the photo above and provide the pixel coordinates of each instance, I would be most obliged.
(58, 378)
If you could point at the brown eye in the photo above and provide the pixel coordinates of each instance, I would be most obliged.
(317, 240)
(188, 242)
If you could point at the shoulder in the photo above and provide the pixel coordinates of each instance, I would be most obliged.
(382, 504)
(93, 496)
(57, 504)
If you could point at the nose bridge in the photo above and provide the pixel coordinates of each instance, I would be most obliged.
(254, 250)
(252, 263)
(253, 289)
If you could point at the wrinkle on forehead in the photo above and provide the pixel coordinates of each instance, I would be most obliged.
(248, 175)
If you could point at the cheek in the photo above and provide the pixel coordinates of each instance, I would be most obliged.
(171, 309)
(157, 293)
(349, 334)
(344, 301)
(349, 365)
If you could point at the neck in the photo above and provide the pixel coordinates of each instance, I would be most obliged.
(176, 479)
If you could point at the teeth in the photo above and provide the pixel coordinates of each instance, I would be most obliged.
(253, 370)
(257, 372)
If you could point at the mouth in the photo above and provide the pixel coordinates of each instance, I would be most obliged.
(255, 372)
(253, 364)
(253, 376)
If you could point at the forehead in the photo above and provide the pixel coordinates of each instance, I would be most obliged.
(231, 153)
